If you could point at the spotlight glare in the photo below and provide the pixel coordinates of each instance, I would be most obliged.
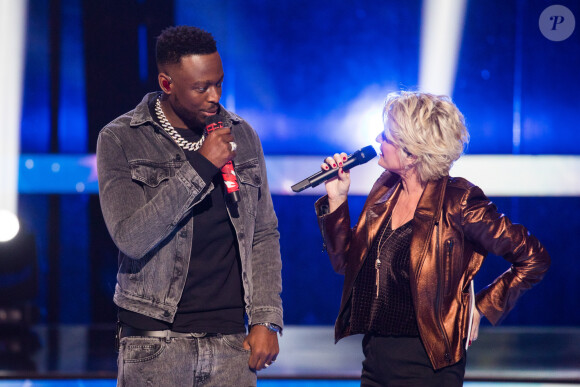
(362, 120)
(12, 32)
(441, 30)
(9, 225)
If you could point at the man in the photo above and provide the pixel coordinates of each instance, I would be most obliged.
(192, 263)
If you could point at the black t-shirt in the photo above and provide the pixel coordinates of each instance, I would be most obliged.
(212, 299)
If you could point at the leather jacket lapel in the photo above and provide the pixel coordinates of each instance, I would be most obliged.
(427, 216)
(380, 205)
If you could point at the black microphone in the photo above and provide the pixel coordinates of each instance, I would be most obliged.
(231, 181)
(359, 157)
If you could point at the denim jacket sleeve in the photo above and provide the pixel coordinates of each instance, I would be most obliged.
(266, 259)
(135, 222)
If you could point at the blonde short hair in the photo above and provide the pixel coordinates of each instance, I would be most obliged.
(427, 126)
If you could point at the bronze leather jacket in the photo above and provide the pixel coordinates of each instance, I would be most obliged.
(454, 227)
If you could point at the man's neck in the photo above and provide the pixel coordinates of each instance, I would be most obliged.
(175, 120)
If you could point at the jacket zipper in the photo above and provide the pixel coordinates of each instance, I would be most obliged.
(447, 354)
(447, 264)
(323, 241)
(323, 211)
(323, 236)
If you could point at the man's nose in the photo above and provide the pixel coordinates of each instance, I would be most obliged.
(214, 94)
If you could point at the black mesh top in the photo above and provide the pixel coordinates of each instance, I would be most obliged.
(391, 313)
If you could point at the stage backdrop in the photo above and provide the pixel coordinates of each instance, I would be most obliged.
(311, 77)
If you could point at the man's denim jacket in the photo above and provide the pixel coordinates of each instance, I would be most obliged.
(146, 189)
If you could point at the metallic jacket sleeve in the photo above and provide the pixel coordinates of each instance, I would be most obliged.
(483, 224)
(336, 232)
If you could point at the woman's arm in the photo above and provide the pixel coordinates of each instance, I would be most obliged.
(492, 230)
(336, 188)
(333, 214)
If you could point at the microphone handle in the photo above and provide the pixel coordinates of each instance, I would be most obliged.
(228, 172)
(322, 176)
(361, 156)
(231, 182)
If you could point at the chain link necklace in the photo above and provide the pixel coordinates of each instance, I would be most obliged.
(183, 143)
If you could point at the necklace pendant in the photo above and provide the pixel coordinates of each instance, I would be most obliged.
(377, 276)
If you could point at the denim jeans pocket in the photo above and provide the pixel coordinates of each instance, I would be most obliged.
(236, 341)
(141, 349)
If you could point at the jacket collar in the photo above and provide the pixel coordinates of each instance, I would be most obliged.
(426, 217)
(383, 196)
(388, 187)
(429, 206)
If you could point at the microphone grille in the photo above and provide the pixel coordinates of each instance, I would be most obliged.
(368, 152)
(218, 120)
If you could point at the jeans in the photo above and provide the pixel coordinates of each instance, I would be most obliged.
(207, 361)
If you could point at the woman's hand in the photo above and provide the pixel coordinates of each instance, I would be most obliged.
(337, 187)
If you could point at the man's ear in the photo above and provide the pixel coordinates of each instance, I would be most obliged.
(165, 82)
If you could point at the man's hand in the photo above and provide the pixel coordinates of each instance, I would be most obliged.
(263, 345)
(217, 148)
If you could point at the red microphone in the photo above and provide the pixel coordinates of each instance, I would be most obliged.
(231, 181)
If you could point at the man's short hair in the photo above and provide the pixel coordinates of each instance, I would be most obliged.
(176, 42)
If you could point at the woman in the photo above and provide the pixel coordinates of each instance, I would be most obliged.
(419, 241)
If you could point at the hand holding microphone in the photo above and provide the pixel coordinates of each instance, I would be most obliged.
(219, 147)
(337, 187)
(337, 165)
(361, 156)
